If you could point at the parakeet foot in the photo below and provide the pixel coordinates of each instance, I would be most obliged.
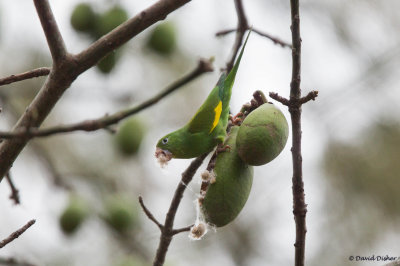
(237, 119)
(222, 148)
(163, 156)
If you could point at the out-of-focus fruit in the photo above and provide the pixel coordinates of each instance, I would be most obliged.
(73, 215)
(163, 38)
(130, 136)
(83, 18)
(110, 20)
(262, 135)
(121, 213)
(226, 197)
(107, 64)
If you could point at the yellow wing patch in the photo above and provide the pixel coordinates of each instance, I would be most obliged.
(217, 111)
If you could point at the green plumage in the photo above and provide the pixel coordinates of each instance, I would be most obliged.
(207, 128)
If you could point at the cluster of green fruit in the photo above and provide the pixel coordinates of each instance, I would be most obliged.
(120, 214)
(258, 140)
(84, 19)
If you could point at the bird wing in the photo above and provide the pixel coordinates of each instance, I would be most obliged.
(208, 115)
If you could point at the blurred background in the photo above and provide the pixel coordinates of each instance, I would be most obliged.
(82, 188)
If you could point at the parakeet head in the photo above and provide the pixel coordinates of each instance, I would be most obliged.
(166, 148)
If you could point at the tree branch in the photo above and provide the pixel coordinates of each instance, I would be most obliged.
(310, 96)
(16, 234)
(275, 40)
(181, 230)
(43, 71)
(14, 262)
(101, 123)
(168, 232)
(14, 191)
(50, 28)
(149, 214)
(299, 205)
(242, 26)
(279, 98)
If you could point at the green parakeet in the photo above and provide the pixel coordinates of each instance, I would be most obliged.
(207, 128)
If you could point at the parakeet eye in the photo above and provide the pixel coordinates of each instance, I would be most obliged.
(165, 141)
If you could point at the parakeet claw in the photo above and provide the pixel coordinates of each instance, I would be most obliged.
(221, 148)
(237, 119)
(163, 156)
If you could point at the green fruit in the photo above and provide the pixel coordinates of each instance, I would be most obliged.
(163, 38)
(262, 135)
(110, 20)
(121, 213)
(107, 64)
(227, 196)
(73, 215)
(130, 136)
(83, 18)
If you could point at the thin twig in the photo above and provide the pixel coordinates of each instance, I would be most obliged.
(279, 98)
(50, 28)
(181, 230)
(101, 123)
(168, 232)
(275, 40)
(14, 191)
(38, 72)
(242, 26)
(149, 214)
(129, 29)
(16, 234)
(310, 96)
(14, 262)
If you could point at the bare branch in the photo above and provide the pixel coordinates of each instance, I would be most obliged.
(39, 72)
(101, 123)
(181, 230)
(50, 28)
(14, 262)
(168, 232)
(149, 214)
(16, 234)
(241, 29)
(279, 98)
(310, 96)
(14, 191)
(275, 40)
(299, 205)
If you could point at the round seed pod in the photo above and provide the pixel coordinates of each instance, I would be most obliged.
(107, 64)
(73, 215)
(226, 197)
(163, 38)
(262, 135)
(83, 18)
(129, 137)
(121, 213)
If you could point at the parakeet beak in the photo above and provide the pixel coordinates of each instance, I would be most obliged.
(163, 156)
